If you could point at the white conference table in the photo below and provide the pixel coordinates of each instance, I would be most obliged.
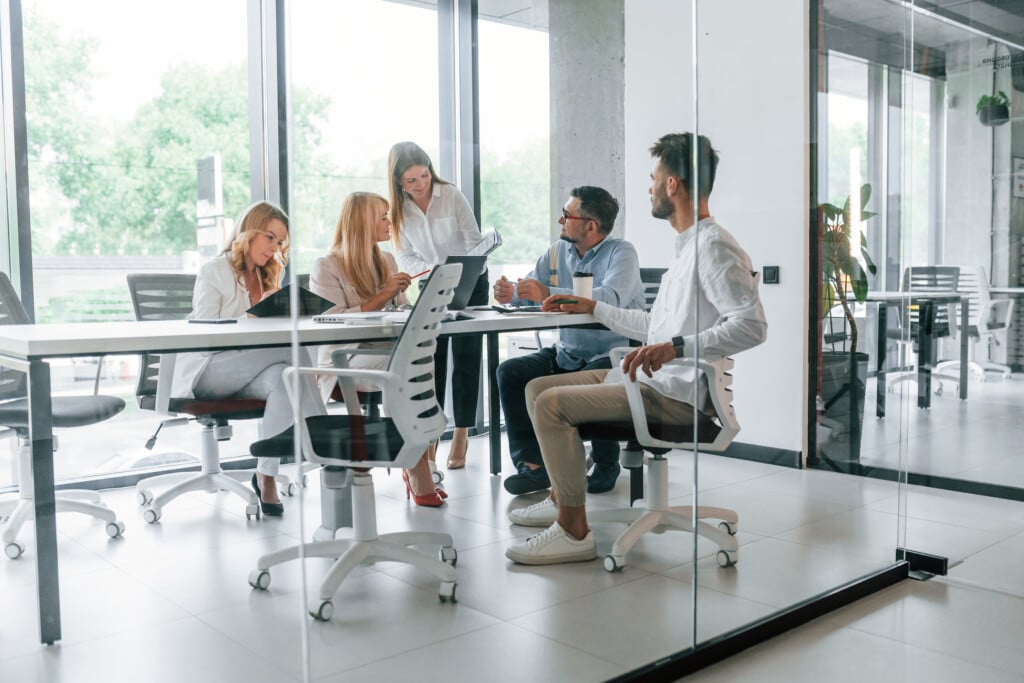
(29, 348)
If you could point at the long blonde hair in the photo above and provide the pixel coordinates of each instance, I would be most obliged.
(402, 157)
(254, 220)
(355, 243)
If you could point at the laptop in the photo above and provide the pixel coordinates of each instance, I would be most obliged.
(472, 266)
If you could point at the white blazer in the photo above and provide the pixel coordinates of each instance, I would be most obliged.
(218, 294)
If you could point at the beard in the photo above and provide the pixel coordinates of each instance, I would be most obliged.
(661, 207)
(567, 238)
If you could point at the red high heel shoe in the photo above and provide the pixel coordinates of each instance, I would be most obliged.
(434, 499)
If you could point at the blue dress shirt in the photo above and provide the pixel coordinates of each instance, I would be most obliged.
(616, 270)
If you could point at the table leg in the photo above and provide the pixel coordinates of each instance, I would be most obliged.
(40, 429)
(926, 320)
(964, 309)
(881, 344)
(494, 418)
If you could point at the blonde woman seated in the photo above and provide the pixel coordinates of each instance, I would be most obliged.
(358, 276)
(247, 271)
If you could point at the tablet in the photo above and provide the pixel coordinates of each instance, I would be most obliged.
(278, 304)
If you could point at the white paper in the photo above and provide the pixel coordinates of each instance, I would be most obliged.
(490, 242)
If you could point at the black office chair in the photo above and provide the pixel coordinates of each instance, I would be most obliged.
(68, 411)
(168, 296)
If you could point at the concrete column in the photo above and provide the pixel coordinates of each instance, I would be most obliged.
(587, 58)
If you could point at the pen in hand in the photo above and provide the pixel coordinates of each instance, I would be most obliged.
(413, 277)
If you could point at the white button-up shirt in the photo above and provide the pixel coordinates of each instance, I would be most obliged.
(448, 228)
(708, 297)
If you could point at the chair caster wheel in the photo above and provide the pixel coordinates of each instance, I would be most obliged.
(322, 611)
(449, 554)
(437, 476)
(115, 528)
(292, 488)
(151, 515)
(252, 510)
(726, 558)
(14, 550)
(259, 579)
(614, 564)
(447, 592)
(727, 528)
(143, 497)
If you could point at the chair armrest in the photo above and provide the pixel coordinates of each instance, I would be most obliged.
(639, 415)
(342, 355)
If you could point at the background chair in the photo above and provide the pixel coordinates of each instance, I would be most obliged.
(988, 320)
(168, 296)
(658, 439)
(68, 411)
(921, 279)
(349, 446)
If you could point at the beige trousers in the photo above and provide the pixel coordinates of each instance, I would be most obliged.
(559, 403)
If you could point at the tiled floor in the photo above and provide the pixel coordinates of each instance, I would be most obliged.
(170, 602)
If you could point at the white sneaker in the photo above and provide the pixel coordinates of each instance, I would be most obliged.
(553, 546)
(543, 513)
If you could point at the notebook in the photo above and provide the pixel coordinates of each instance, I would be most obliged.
(278, 304)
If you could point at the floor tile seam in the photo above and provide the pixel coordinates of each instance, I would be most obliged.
(624, 666)
(931, 650)
(688, 580)
(871, 558)
(962, 582)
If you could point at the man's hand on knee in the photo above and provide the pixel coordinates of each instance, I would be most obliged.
(648, 358)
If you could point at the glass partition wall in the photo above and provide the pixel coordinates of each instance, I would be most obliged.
(517, 106)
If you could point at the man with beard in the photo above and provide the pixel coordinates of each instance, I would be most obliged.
(720, 296)
(584, 247)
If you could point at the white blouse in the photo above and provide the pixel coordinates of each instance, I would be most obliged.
(448, 228)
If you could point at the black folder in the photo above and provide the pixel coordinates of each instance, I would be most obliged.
(278, 304)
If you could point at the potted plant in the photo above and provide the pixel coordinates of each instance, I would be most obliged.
(845, 266)
(994, 110)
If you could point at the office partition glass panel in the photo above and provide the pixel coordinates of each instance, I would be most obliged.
(801, 532)
(138, 136)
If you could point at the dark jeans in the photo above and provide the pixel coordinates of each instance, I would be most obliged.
(513, 376)
(466, 354)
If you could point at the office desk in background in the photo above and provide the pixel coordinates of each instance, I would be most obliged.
(28, 348)
(926, 301)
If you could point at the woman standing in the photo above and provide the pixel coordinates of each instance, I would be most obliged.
(247, 271)
(357, 276)
(433, 221)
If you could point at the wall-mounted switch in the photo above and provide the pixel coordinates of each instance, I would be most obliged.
(770, 275)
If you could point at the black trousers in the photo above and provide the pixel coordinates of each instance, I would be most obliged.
(466, 356)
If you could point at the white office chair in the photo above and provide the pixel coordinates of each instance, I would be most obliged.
(658, 439)
(68, 411)
(988, 320)
(349, 446)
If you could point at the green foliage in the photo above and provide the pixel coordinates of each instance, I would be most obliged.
(515, 201)
(845, 267)
(996, 100)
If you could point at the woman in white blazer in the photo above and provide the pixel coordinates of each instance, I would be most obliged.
(432, 220)
(358, 276)
(247, 271)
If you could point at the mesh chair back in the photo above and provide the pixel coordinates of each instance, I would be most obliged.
(917, 279)
(158, 296)
(12, 382)
(651, 277)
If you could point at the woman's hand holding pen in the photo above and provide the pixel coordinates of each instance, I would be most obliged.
(398, 283)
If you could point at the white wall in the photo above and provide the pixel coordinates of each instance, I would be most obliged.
(753, 106)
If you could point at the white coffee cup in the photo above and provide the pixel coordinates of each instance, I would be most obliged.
(583, 284)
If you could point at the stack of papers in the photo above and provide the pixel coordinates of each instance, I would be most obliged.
(490, 242)
(364, 318)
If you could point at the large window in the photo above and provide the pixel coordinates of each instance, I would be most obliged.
(364, 76)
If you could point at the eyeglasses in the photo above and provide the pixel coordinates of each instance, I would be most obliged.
(566, 216)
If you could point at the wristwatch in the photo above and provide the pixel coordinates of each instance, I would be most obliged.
(677, 346)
